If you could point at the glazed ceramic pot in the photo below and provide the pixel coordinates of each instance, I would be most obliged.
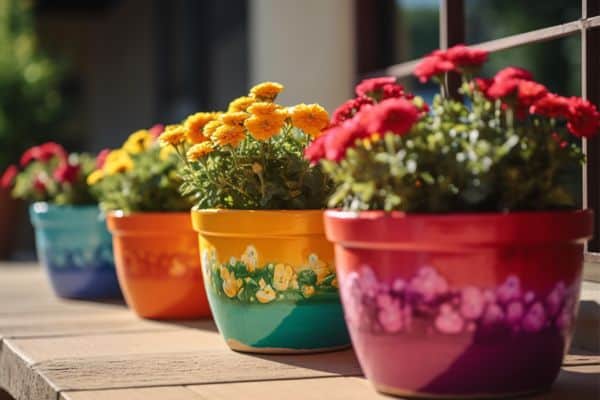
(270, 280)
(75, 249)
(463, 305)
(158, 264)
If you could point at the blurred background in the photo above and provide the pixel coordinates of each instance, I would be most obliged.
(88, 73)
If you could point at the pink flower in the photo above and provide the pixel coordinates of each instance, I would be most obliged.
(156, 130)
(465, 57)
(428, 284)
(514, 312)
(390, 314)
(535, 318)
(449, 321)
(101, 158)
(369, 86)
(433, 65)
(509, 290)
(8, 177)
(392, 115)
(472, 302)
(493, 314)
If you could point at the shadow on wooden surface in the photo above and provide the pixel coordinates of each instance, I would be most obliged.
(5, 396)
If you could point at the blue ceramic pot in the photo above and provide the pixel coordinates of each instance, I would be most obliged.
(75, 248)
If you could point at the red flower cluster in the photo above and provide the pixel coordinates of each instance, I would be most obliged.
(368, 92)
(459, 58)
(8, 177)
(583, 118)
(66, 172)
(395, 115)
(43, 152)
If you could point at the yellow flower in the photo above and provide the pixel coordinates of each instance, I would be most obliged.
(231, 285)
(263, 108)
(311, 118)
(138, 141)
(266, 91)
(240, 104)
(199, 150)
(235, 118)
(282, 274)
(250, 258)
(95, 177)
(263, 127)
(195, 123)
(117, 161)
(211, 127)
(266, 294)
(173, 135)
(166, 152)
(319, 267)
(227, 135)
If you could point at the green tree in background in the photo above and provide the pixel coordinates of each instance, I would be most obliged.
(32, 108)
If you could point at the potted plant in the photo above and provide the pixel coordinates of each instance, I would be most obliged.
(268, 269)
(71, 238)
(458, 247)
(155, 248)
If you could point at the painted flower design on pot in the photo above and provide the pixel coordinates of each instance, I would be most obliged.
(380, 307)
(247, 280)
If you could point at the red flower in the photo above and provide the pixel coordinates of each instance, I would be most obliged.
(433, 65)
(101, 158)
(483, 84)
(38, 184)
(551, 105)
(502, 88)
(43, 153)
(462, 56)
(8, 177)
(349, 109)
(315, 152)
(513, 73)
(337, 140)
(393, 91)
(66, 173)
(584, 118)
(368, 86)
(156, 130)
(530, 92)
(392, 115)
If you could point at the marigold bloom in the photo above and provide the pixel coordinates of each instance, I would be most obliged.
(311, 118)
(195, 123)
(240, 104)
(95, 177)
(235, 118)
(263, 108)
(166, 152)
(198, 151)
(138, 142)
(228, 135)
(211, 127)
(263, 127)
(266, 91)
(173, 135)
(118, 161)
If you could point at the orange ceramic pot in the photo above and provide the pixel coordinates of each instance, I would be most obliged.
(158, 265)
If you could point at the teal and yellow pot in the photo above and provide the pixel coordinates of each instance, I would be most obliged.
(270, 280)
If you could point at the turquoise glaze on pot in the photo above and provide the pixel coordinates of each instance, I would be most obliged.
(282, 326)
(75, 248)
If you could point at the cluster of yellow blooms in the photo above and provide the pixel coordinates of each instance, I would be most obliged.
(256, 114)
(120, 161)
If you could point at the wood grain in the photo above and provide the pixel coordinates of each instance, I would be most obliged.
(158, 393)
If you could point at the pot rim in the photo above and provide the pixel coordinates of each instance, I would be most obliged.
(148, 223)
(257, 223)
(398, 230)
(40, 207)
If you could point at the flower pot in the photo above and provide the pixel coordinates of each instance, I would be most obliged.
(74, 247)
(270, 280)
(462, 305)
(158, 264)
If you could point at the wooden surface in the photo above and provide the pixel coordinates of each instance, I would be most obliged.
(54, 349)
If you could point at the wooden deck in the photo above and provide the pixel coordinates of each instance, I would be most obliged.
(53, 349)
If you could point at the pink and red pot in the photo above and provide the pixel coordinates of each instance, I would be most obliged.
(462, 305)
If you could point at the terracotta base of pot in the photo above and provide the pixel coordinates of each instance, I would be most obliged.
(241, 347)
(422, 395)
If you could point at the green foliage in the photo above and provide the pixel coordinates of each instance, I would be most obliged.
(36, 182)
(151, 185)
(31, 104)
(460, 158)
(265, 175)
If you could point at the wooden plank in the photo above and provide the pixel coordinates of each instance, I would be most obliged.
(302, 389)
(157, 393)
(185, 368)
(35, 351)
